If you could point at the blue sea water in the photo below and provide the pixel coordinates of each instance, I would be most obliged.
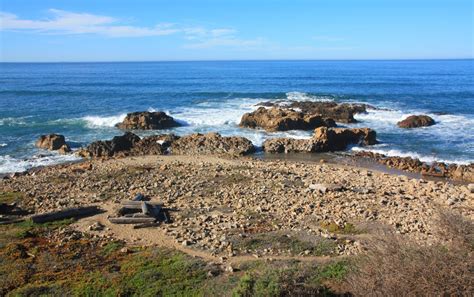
(84, 101)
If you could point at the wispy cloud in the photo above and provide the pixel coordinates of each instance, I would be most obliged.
(65, 22)
(201, 38)
(327, 38)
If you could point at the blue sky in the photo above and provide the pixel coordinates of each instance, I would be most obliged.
(146, 30)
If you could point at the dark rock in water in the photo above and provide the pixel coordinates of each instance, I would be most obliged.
(210, 144)
(324, 140)
(343, 112)
(278, 119)
(153, 145)
(147, 121)
(108, 148)
(415, 121)
(53, 142)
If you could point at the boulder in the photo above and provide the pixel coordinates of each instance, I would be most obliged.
(278, 119)
(52, 142)
(211, 144)
(146, 120)
(336, 139)
(415, 121)
(109, 148)
(339, 112)
(323, 140)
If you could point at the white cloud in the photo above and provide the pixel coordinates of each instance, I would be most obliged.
(72, 23)
(64, 22)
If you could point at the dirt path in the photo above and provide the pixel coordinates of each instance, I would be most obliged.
(155, 236)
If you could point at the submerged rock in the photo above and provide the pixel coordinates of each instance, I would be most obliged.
(324, 140)
(278, 119)
(146, 120)
(53, 142)
(416, 121)
(211, 143)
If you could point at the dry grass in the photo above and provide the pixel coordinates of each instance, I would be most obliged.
(396, 267)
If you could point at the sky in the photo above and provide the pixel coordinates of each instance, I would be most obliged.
(157, 30)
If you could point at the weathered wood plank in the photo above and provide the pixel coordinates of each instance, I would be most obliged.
(145, 209)
(138, 204)
(131, 220)
(147, 225)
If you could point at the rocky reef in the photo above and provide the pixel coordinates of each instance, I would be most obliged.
(339, 112)
(278, 119)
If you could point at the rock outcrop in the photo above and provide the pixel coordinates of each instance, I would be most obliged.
(278, 119)
(416, 121)
(210, 144)
(324, 140)
(435, 169)
(343, 112)
(130, 144)
(53, 142)
(109, 148)
(146, 120)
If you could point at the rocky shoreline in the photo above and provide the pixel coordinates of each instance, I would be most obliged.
(230, 210)
(270, 116)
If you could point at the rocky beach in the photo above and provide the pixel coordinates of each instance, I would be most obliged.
(229, 209)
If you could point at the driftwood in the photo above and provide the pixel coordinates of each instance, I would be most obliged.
(138, 204)
(146, 225)
(76, 212)
(132, 220)
(145, 209)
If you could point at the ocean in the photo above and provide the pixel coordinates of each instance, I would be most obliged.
(84, 101)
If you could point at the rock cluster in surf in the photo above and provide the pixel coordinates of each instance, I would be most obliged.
(339, 112)
(146, 120)
(278, 119)
(130, 144)
(323, 140)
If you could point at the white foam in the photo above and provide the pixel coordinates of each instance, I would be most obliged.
(300, 96)
(101, 121)
(3, 144)
(9, 164)
(10, 121)
(225, 113)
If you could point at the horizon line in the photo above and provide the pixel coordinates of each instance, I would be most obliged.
(237, 60)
